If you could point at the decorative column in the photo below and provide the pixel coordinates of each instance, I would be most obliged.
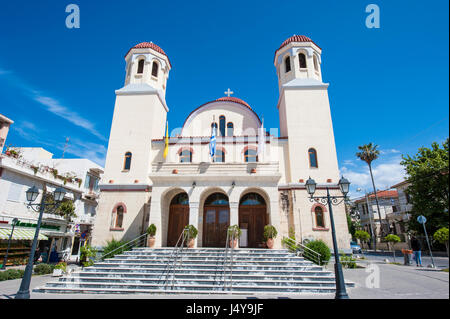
(234, 213)
(193, 218)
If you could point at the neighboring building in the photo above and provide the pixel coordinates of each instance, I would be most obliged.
(37, 167)
(254, 180)
(399, 218)
(367, 208)
(4, 128)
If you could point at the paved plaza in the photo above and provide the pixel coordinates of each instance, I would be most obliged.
(395, 282)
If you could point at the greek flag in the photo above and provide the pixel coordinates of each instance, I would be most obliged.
(212, 143)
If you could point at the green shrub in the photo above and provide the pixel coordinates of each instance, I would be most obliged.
(234, 231)
(43, 269)
(270, 232)
(11, 274)
(151, 230)
(191, 232)
(61, 265)
(289, 244)
(87, 254)
(347, 261)
(111, 247)
(320, 247)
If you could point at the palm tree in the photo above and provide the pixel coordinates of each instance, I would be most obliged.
(368, 153)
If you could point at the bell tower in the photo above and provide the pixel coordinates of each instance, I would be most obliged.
(140, 114)
(304, 112)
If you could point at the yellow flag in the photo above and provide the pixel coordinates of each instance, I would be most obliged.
(166, 141)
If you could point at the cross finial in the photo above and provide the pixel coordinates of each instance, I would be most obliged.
(228, 92)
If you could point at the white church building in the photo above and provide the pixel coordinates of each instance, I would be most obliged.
(253, 179)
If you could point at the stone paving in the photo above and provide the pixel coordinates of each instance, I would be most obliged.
(396, 282)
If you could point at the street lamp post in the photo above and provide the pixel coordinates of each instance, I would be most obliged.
(14, 223)
(344, 186)
(32, 194)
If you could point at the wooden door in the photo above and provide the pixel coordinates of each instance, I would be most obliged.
(254, 219)
(178, 219)
(215, 224)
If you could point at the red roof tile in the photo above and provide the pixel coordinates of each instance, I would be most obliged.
(234, 99)
(149, 45)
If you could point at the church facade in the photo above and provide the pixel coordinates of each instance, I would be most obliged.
(255, 178)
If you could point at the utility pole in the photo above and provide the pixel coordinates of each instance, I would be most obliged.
(65, 147)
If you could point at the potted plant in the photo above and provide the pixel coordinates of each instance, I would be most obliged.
(151, 231)
(191, 234)
(234, 232)
(270, 233)
(59, 269)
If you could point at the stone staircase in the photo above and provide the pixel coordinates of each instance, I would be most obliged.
(198, 271)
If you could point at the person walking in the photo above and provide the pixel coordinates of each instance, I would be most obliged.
(417, 249)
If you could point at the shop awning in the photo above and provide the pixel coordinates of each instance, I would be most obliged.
(20, 234)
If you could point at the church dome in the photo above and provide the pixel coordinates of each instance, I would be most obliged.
(149, 45)
(296, 38)
(233, 99)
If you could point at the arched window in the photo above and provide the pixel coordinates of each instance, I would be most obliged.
(127, 163)
(250, 156)
(313, 158)
(214, 128)
(216, 199)
(140, 69)
(222, 125)
(287, 64)
(180, 199)
(119, 217)
(219, 157)
(155, 69)
(230, 129)
(316, 64)
(302, 60)
(320, 222)
(186, 156)
(252, 199)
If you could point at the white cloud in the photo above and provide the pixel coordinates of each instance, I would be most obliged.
(51, 104)
(386, 172)
(56, 108)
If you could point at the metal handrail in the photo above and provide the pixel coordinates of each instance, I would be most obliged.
(231, 238)
(171, 263)
(300, 249)
(137, 240)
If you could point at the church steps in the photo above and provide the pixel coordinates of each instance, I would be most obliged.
(218, 267)
(198, 281)
(67, 290)
(137, 276)
(201, 271)
(210, 258)
(204, 271)
(213, 262)
(189, 286)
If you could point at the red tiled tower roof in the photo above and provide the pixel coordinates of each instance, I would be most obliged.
(149, 45)
(234, 99)
(295, 38)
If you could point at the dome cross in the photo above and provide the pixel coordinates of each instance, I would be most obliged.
(228, 92)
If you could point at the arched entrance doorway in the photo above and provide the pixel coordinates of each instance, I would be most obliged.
(216, 219)
(178, 218)
(252, 216)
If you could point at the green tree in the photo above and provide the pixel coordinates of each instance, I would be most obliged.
(362, 235)
(392, 240)
(368, 153)
(429, 189)
(441, 236)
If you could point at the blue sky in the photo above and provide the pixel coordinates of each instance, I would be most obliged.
(388, 86)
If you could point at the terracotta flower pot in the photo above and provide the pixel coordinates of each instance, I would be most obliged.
(151, 241)
(253, 170)
(175, 171)
(269, 243)
(233, 243)
(191, 243)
